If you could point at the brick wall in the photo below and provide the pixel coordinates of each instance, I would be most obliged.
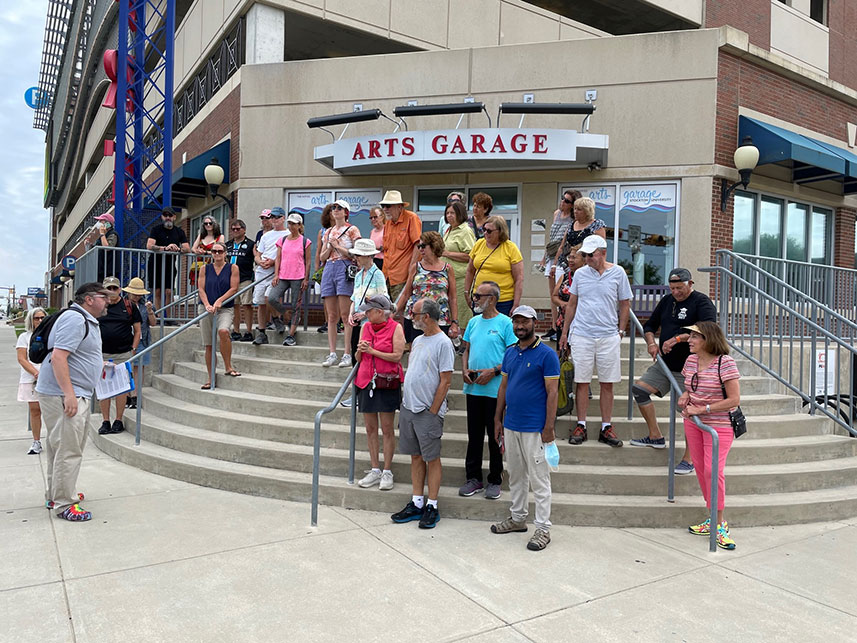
(842, 17)
(843, 237)
(752, 16)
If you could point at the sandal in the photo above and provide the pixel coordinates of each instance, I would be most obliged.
(233, 373)
(206, 386)
(75, 513)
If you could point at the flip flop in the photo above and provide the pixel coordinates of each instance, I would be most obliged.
(233, 373)
(206, 387)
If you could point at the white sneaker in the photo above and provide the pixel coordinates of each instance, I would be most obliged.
(346, 403)
(345, 362)
(330, 361)
(386, 481)
(371, 478)
(36, 449)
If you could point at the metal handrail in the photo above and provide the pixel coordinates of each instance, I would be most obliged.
(792, 316)
(163, 341)
(798, 295)
(316, 448)
(715, 439)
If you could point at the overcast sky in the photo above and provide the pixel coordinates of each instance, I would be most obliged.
(24, 246)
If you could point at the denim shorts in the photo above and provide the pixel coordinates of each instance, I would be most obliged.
(333, 280)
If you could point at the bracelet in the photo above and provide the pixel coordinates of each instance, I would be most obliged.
(708, 408)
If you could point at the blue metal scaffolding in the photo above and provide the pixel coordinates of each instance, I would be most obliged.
(144, 116)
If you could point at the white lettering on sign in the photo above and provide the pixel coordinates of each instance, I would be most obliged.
(470, 148)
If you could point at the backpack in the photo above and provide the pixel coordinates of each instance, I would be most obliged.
(38, 350)
(565, 398)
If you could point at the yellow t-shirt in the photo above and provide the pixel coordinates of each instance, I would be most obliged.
(497, 266)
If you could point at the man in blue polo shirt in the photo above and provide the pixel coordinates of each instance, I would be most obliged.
(526, 408)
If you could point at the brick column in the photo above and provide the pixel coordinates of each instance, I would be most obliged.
(843, 237)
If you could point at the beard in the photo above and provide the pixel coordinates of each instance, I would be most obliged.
(525, 333)
(478, 310)
(168, 224)
(418, 324)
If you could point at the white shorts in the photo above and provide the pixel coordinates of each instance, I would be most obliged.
(27, 392)
(599, 354)
(262, 289)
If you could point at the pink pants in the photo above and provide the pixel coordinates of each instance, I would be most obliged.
(699, 444)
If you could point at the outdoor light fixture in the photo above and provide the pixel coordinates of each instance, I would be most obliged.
(442, 109)
(746, 157)
(323, 122)
(214, 176)
(585, 109)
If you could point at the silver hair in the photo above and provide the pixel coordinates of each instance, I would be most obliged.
(495, 288)
(28, 320)
(431, 308)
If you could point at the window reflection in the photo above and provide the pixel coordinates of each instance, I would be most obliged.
(770, 227)
(743, 237)
(796, 231)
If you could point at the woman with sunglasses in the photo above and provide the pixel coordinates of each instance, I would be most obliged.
(209, 234)
(218, 281)
(496, 258)
(377, 218)
(431, 277)
(708, 372)
(459, 241)
(563, 217)
(29, 375)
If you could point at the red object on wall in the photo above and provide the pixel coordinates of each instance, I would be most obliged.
(111, 62)
(109, 147)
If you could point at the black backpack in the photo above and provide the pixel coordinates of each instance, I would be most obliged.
(38, 350)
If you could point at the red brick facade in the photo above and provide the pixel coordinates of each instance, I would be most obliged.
(752, 16)
(842, 17)
(843, 238)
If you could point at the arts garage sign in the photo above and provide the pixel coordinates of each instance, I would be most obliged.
(464, 150)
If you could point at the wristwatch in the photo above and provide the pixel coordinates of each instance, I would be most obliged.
(496, 371)
(708, 408)
(621, 333)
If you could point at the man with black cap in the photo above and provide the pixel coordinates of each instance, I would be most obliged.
(165, 237)
(683, 307)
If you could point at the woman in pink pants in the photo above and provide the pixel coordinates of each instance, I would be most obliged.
(708, 372)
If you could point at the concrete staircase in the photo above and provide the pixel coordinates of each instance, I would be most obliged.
(254, 434)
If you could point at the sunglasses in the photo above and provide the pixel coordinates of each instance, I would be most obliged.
(169, 216)
(218, 252)
(567, 201)
(477, 296)
(694, 382)
(112, 287)
(208, 223)
(421, 245)
(336, 207)
(586, 255)
(386, 206)
(453, 200)
(489, 230)
(264, 216)
(38, 317)
(377, 216)
(236, 228)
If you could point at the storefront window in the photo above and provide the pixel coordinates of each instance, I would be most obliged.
(431, 204)
(819, 242)
(796, 231)
(743, 233)
(771, 227)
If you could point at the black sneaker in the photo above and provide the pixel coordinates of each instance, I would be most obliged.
(132, 402)
(431, 516)
(104, 429)
(578, 436)
(608, 436)
(117, 427)
(279, 326)
(235, 337)
(289, 341)
(322, 328)
(409, 513)
(261, 338)
(550, 335)
(247, 337)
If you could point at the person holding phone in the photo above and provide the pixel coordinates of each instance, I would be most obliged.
(485, 341)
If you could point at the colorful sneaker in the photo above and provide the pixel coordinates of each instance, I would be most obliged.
(578, 436)
(655, 443)
(470, 487)
(724, 541)
(539, 540)
(409, 513)
(702, 529)
(608, 436)
(683, 468)
(431, 516)
(331, 360)
(371, 478)
(75, 513)
(386, 481)
(289, 340)
(36, 448)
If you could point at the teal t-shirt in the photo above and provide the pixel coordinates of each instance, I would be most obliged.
(488, 339)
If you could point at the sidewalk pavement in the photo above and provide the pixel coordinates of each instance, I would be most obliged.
(164, 560)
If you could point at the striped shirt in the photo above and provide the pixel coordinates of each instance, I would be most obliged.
(707, 388)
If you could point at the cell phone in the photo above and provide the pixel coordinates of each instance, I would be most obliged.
(502, 443)
(473, 375)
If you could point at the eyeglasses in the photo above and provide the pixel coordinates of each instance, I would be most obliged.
(218, 252)
(415, 313)
(237, 227)
(264, 216)
(336, 207)
(97, 296)
(586, 255)
(421, 245)
(38, 317)
(477, 295)
(564, 200)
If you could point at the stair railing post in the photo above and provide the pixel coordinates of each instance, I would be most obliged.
(671, 473)
(213, 318)
(715, 464)
(631, 371)
(352, 447)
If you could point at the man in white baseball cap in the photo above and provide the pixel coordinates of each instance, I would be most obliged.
(597, 290)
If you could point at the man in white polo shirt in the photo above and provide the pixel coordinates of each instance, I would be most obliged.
(597, 290)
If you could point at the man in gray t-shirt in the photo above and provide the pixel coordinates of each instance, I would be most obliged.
(430, 367)
(597, 329)
(65, 387)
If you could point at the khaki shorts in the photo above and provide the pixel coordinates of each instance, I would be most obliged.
(596, 354)
(656, 378)
(420, 433)
(117, 358)
(224, 317)
(246, 297)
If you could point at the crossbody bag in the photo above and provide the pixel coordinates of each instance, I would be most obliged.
(736, 415)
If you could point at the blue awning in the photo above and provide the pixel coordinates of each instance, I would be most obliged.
(189, 179)
(811, 160)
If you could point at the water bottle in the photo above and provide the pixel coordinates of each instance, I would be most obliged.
(108, 369)
(552, 456)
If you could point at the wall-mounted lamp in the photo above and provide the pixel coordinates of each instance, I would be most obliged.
(746, 157)
(214, 176)
(584, 109)
(323, 122)
(442, 109)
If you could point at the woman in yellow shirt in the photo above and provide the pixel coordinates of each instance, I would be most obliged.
(496, 258)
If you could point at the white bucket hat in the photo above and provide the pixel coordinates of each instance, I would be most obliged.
(364, 248)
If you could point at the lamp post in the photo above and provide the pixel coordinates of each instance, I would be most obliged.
(746, 157)
(214, 176)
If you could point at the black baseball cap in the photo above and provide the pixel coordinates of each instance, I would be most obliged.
(678, 275)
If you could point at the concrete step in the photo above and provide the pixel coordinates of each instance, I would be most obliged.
(579, 509)
(744, 451)
(224, 398)
(313, 371)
